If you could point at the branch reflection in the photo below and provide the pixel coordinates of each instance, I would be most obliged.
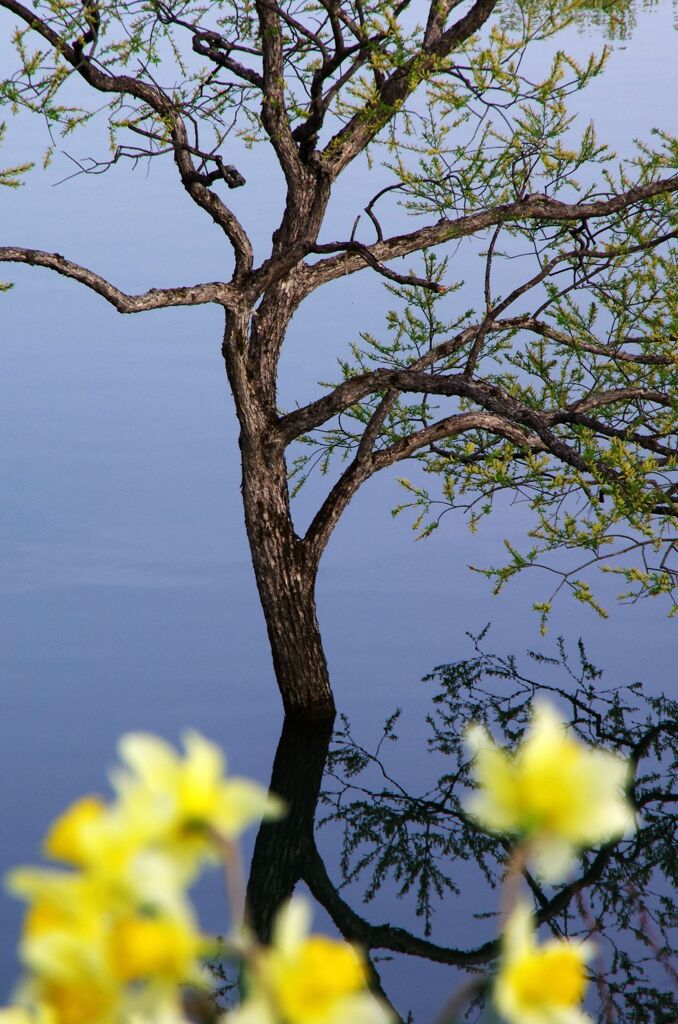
(414, 852)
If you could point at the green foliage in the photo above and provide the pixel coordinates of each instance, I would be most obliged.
(152, 42)
(490, 134)
(11, 176)
(566, 328)
(585, 310)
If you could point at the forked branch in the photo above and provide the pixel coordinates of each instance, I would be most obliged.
(366, 464)
(161, 103)
(534, 207)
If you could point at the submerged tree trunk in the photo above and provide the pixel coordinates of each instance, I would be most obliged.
(284, 567)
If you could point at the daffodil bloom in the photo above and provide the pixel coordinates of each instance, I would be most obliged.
(64, 912)
(69, 977)
(16, 1015)
(73, 836)
(185, 801)
(160, 948)
(54, 897)
(559, 793)
(304, 979)
(100, 839)
(94, 954)
(103, 974)
(540, 984)
(114, 938)
(125, 945)
(61, 900)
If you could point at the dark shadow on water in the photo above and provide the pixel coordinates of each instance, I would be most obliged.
(412, 852)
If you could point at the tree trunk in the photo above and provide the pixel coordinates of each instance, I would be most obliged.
(284, 567)
(286, 582)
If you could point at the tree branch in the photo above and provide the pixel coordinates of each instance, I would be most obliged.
(350, 391)
(337, 500)
(213, 46)
(383, 936)
(352, 139)
(646, 441)
(154, 298)
(532, 207)
(450, 426)
(599, 398)
(500, 414)
(159, 101)
(372, 261)
(274, 111)
(553, 334)
(367, 463)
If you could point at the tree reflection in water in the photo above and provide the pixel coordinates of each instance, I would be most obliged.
(422, 845)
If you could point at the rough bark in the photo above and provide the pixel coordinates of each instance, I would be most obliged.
(284, 567)
(286, 582)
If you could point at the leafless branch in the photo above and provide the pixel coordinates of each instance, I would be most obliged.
(364, 250)
(155, 298)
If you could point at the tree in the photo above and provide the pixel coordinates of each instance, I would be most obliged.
(556, 388)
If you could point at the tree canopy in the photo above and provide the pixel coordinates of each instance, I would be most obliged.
(531, 348)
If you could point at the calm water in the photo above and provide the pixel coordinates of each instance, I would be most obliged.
(127, 600)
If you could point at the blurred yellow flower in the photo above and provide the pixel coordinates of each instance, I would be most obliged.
(72, 836)
(53, 896)
(15, 1015)
(185, 800)
(112, 969)
(101, 839)
(304, 979)
(540, 984)
(97, 952)
(80, 1001)
(162, 948)
(69, 980)
(310, 983)
(555, 790)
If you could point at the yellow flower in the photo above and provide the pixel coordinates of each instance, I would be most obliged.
(15, 1015)
(72, 836)
(558, 792)
(99, 838)
(304, 979)
(69, 975)
(309, 984)
(157, 948)
(96, 952)
(79, 1002)
(58, 902)
(31, 1013)
(185, 800)
(540, 984)
(116, 938)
